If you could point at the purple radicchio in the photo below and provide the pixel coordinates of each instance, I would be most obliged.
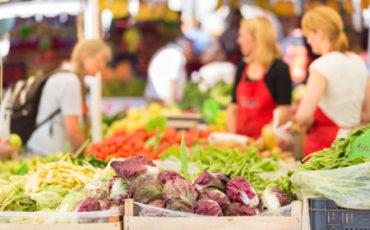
(107, 205)
(240, 190)
(167, 175)
(238, 209)
(88, 205)
(179, 205)
(215, 195)
(148, 211)
(210, 180)
(207, 207)
(274, 197)
(146, 190)
(182, 190)
(135, 167)
(118, 190)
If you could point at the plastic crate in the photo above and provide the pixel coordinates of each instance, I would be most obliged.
(325, 215)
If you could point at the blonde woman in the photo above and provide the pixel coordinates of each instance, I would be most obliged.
(262, 83)
(66, 91)
(335, 100)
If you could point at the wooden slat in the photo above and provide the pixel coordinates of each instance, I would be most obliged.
(187, 116)
(212, 223)
(215, 223)
(129, 207)
(105, 226)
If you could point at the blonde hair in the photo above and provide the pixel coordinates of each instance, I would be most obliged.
(263, 32)
(92, 48)
(329, 21)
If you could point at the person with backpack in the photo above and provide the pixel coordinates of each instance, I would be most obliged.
(62, 103)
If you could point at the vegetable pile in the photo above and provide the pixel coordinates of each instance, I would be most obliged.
(63, 174)
(211, 194)
(336, 156)
(332, 174)
(194, 96)
(61, 186)
(143, 143)
(138, 118)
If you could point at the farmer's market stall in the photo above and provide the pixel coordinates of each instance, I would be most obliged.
(61, 192)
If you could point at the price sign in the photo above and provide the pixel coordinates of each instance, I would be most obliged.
(361, 146)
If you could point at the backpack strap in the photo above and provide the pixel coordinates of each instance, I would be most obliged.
(48, 119)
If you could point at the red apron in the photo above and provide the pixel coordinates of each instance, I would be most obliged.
(323, 133)
(255, 106)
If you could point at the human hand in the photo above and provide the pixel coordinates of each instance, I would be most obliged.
(5, 148)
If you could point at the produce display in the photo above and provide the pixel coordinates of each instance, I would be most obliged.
(235, 164)
(194, 96)
(138, 118)
(142, 143)
(63, 173)
(262, 150)
(16, 167)
(134, 87)
(332, 173)
(211, 194)
(62, 187)
(107, 121)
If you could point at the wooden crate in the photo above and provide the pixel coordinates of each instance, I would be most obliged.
(102, 226)
(132, 222)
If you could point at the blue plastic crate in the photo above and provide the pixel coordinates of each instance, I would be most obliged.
(325, 215)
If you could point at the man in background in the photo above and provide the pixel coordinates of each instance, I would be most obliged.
(166, 73)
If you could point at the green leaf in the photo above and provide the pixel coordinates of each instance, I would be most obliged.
(159, 123)
(150, 141)
(67, 148)
(275, 157)
(170, 152)
(358, 161)
(196, 151)
(200, 166)
(152, 124)
(81, 149)
(22, 170)
(162, 122)
(165, 155)
(184, 157)
(175, 152)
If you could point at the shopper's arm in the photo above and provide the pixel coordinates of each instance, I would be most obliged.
(171, 93)
(365, 113)
(285, 114)
(231, 118)
(74, 131)
(315, 89)
(6, 149)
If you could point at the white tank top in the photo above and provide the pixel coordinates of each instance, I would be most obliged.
(347, 77)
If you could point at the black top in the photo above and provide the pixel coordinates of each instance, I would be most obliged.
(277, 80)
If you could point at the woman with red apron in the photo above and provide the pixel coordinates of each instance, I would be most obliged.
(334, 101)
(262, 84)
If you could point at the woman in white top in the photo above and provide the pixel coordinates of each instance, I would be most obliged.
(215, 67)
(66, 91)
(338, 91)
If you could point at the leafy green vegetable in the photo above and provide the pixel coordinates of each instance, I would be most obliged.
(337, 155)
(47, 200)
(159, 124)
(194, 97)
(18, 203)
(61, 191)
(72, 199)
(184, 157)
